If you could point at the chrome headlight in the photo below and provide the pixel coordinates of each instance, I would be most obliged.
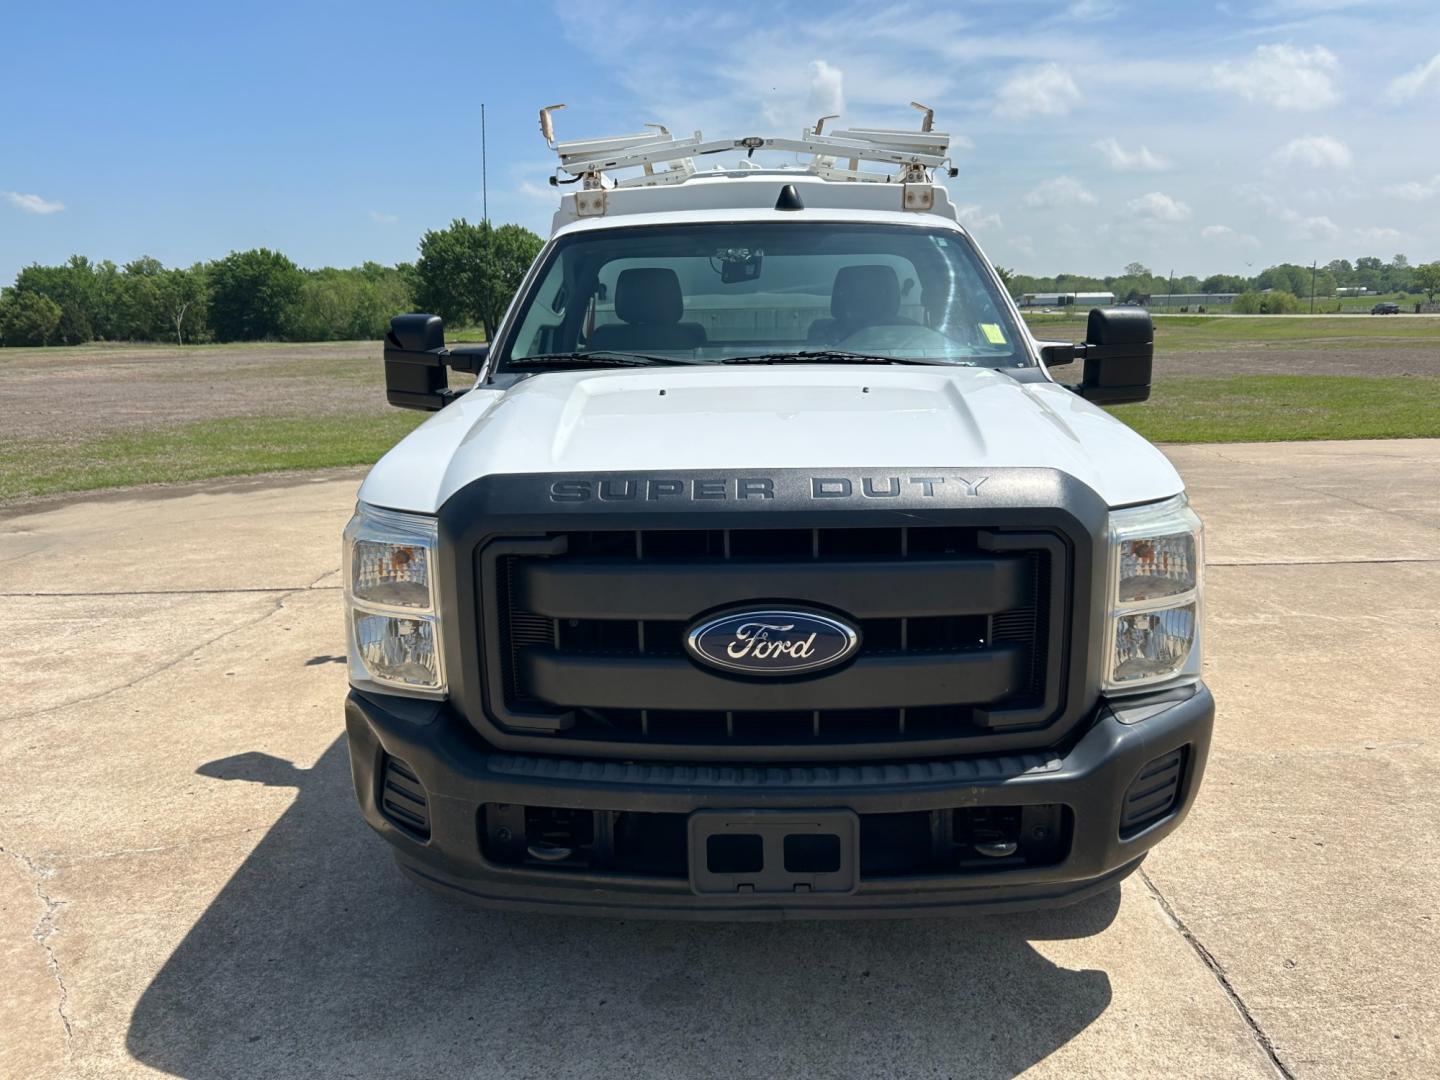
(1156, 579)
(391, 620)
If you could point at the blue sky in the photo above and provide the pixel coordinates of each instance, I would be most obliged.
(1201, 137)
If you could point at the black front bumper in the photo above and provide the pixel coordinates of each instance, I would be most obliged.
(1092, 776)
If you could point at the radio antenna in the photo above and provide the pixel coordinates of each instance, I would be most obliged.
(484, 186)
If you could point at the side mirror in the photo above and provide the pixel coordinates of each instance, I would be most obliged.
(1119, 355)
(416, 359)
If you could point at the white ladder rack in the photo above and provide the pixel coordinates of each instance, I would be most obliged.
(590, 161)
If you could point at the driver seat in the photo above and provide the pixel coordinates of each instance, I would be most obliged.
(864, 295)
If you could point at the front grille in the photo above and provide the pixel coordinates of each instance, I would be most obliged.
(960, 629)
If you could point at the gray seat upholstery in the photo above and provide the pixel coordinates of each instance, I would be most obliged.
(865, 295)
(649, 304)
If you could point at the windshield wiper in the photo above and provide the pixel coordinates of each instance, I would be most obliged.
(822, 356)
(595, 358)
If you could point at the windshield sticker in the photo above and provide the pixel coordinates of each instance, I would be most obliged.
(993, 333)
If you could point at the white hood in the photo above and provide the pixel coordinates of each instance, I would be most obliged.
(751, 417)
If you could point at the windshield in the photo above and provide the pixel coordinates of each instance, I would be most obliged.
(772, 291)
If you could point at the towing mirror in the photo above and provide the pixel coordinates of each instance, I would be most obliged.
(416, 360)
(1119, 354)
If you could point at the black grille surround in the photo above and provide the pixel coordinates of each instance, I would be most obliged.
(565, 600)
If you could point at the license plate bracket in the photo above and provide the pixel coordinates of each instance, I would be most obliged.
(774, 852)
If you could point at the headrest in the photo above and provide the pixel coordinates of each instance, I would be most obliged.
(648, 294)
(865, 294)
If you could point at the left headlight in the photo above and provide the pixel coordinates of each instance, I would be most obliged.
(1156, 582)
(392, 622)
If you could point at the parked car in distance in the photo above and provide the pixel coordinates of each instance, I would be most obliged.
(1385, 308)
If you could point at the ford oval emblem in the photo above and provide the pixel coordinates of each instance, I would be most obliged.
(772, 642)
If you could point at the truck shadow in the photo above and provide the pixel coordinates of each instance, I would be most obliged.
(318, 959)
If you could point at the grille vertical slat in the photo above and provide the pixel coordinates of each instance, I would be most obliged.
(1023, 624)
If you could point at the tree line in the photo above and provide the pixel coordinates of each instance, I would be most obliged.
(1137, 282)
(466, 273)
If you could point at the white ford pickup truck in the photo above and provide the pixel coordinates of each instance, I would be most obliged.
(766, 570)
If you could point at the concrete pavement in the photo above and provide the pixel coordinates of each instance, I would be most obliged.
(186, 887)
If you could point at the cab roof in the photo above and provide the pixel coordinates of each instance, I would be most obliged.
(752, 196)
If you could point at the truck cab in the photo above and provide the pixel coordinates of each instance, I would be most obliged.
(766, 570)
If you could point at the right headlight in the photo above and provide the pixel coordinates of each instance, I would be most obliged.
(1154, 603)
(392, 620)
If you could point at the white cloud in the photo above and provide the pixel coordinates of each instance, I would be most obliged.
(827, 90)
(1048, 90)
(539, 192)
(32, 204)
(973, 218)
(993, 76)
(382, 218)
(1315, 152)
(1378, 234)
(1257, 194)
(1061, 191)
(1307, 7)
(1091, 11)
(1157, 206)
(1415, 190)
(800, 94)
(1408, 86)
(1226, 235)
(1122, 160)
(1310, 228)
(1282, 76)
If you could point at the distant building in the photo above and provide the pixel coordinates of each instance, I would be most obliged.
(1218, 299)
(1351, 290)
(1067, 299)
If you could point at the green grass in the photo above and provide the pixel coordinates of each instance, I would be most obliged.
(1276, 408)
(1195, 332)
(237, 446)
(1251, 408)
(98, 349)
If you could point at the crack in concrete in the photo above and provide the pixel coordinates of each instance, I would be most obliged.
(1292, 478)
(221, 591)
(44, 930)
(1258, 1033)
(278, 607)
(1391, 511)
(121, 853)
(183, 592)
(1319, 562)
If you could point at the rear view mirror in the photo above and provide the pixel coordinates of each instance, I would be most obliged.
(416, 333)
(416, 359)
(1119, 354)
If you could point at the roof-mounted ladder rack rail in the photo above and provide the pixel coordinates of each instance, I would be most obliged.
(914, 153)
